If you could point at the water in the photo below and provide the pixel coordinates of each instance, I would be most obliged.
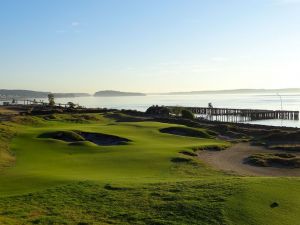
(246, 101)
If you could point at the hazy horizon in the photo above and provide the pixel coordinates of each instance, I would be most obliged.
(149, 46)
(245, 90)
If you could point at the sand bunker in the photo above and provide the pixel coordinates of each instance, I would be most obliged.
(184, 131)
(103, 139)
(80, 136)
(234, 160)
(67, 136)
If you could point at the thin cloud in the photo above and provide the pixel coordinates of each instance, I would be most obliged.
(75, 24)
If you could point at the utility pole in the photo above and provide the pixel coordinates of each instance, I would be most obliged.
(281, 105)
(280, 99)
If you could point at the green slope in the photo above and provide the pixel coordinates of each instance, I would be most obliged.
(55, 182)
(253, 203)
(146, 159)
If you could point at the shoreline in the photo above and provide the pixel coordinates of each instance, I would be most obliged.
(23, 110)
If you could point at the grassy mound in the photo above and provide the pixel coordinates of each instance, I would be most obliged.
(68, 136)
(28, 120)
(121, 117)
(185, 131)
(278, 137)
(286, 147)
(49, 117)
(181, 160)
(188, 153)
(211, 148)
(274, 160)
(77, 118)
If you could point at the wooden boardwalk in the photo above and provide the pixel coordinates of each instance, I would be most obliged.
(239, 115)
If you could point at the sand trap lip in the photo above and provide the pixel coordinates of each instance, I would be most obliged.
(67, 136)
(233, 160)
(75, 137)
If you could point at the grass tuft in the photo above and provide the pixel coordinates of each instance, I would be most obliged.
(274, 160)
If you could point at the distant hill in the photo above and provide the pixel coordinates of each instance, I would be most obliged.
(109, 93)
(70, 95)
(36, 94)
(239, 91)
(23, 93)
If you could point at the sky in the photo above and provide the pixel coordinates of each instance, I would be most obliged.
(149, 45)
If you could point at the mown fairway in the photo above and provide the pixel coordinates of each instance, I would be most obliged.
(147, 181)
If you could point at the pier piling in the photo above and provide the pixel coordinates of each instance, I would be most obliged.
(240, 115)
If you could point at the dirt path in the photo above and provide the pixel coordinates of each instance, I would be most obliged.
(232, 160)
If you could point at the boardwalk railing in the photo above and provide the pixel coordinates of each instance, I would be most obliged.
(238, 115)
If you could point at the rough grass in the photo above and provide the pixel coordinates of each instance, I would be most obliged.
(90, 203)
(121, 117)
(28, 120)
(283, 137)
(211, 147)
(188, 153)
(278, 159)
(77, 118)
(6, 156)
(207, 202)
(286, 147)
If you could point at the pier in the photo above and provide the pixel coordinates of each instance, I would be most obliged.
(238, 115)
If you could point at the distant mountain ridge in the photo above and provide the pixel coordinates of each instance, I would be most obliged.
(110, 93)
(4, 93)
(238, 91)
(18, 94)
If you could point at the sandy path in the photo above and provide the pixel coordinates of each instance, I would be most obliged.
(232, 160)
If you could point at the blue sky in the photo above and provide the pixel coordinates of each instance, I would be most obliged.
(149, 45)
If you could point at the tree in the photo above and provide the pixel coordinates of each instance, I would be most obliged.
(71, 105)
(51, 99)
(176, 110)
(187, 114)
(158, 110)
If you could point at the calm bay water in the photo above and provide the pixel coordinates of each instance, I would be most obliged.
(246, 101)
